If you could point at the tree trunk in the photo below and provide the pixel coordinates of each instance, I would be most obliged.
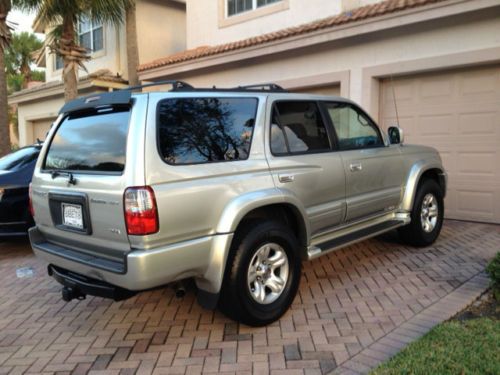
(4, 106)
(4, 110)
(70, 71)
(132, 49)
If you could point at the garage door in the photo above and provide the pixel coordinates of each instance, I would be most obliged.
(457, 112)
(40, 129)
(332, 90)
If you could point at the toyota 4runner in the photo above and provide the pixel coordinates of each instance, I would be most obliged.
(231, 187)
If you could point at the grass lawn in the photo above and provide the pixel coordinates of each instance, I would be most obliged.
(469, 347)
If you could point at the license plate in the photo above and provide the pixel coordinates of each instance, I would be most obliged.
(72, 215)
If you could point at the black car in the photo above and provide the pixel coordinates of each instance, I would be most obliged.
(16, 171)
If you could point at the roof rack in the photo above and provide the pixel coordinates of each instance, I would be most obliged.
(183, 86)
(176, 85)
(273, 87)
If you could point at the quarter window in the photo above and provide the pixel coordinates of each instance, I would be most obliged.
(90, 35)
(297, 127)
(205, 130)
(354, 129)
(240, 6)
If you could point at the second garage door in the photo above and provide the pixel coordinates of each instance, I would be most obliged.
(457, 112)
(40, 129)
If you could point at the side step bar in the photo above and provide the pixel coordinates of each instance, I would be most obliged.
(350, 238)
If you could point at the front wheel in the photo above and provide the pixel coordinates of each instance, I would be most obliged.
(426, 216)
(263, 274)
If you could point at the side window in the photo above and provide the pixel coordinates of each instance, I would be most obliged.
(205, 130)
(354, 129)
(297, 127)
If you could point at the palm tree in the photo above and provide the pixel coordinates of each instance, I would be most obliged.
(20, 55)
(63, 17)
(5, 36)
(132, 49)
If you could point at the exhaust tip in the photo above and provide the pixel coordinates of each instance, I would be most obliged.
(180, 290)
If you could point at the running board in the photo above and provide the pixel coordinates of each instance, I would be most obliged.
(348, 239)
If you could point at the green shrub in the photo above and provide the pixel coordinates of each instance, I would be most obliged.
(493, 270)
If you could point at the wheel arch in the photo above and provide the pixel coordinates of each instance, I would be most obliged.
(274, 203)
(419, 172)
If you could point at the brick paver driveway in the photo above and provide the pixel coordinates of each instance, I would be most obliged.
(351, 301)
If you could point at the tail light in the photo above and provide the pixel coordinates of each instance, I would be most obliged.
(32, 211)
(141, 214)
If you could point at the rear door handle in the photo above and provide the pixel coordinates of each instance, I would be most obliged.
(286, 178)
(356, 167)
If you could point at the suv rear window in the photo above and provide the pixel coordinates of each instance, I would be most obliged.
(94, 141)
(205, 130)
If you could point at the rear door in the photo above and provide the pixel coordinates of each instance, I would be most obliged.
(303, 160)
(81, 176)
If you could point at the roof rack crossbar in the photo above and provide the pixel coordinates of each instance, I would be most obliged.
(263, 87)
(176, 85)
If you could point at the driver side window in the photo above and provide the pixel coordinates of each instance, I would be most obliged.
(354, 129)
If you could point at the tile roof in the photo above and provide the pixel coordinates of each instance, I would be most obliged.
(101, 75)
(358, 14)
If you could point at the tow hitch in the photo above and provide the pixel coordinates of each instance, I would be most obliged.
(69, 294)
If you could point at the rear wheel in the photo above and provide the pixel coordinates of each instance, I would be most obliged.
(426, 216)
(263, 274)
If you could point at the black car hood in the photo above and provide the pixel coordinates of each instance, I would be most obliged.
(20, 177)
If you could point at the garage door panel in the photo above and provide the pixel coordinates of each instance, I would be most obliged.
(457, 112)
(332, 90)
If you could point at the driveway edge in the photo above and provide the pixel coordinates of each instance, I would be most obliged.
(417, 326)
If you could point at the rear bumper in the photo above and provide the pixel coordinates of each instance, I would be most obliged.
(202, 258)
(14, 229)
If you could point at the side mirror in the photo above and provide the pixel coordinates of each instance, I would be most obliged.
(396, 135)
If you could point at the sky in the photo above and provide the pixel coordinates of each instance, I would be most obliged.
(24, 21)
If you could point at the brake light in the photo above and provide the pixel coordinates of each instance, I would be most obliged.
(32, 211)
(141, 215)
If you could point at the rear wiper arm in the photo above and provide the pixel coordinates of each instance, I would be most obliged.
(72, 179)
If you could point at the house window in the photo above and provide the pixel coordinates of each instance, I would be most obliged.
(90, 35)
(59, 62)
(235, 7)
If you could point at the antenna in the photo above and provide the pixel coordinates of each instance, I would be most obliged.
(395, 102)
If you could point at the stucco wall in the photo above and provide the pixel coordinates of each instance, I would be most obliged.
(112, 56)
(207, 24)
(436, 38)
(161, 28)
(29, 112)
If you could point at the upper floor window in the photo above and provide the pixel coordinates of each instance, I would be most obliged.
(90, 35)
(235, 7)
(59, 62)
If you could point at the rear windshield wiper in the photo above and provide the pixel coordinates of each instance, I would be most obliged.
(72, 179)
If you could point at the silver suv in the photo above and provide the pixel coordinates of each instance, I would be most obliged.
(231, 187)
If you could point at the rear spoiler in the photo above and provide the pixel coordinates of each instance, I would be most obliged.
(122, 97)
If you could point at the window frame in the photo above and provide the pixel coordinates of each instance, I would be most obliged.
(332, 137)
(91, 30)
(359, 110)
(255, 6)
(157, 130)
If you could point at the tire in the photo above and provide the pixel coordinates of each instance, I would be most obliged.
(423, 230)
(246, 296)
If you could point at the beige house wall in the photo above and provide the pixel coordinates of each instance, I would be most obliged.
(112, 57)
(207, 23)
(467, 34)
(161, 28)
(30, 112)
